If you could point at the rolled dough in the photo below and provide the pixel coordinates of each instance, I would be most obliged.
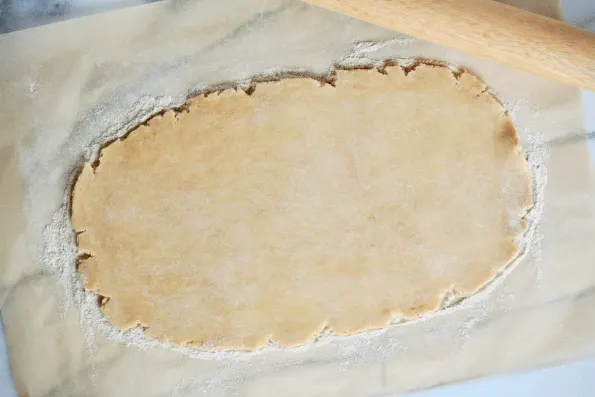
(246, 219)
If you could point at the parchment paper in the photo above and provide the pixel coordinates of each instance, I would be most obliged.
(67, 87)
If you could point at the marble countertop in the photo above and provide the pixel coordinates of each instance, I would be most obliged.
(25, 14)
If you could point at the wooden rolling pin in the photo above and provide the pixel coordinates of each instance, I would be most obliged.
(488, 29)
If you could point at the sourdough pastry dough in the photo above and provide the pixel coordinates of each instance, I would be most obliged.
(303, 206)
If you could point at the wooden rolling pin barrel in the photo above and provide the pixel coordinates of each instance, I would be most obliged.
(488, 29)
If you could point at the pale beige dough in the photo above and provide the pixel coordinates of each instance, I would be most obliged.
(269, 217)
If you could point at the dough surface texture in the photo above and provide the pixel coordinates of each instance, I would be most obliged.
(245, 219)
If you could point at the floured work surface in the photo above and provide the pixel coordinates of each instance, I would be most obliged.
(61, 101)
(301, 207)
